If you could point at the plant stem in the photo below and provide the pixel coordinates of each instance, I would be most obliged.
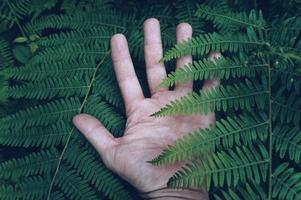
(270, 130)
(72, 129)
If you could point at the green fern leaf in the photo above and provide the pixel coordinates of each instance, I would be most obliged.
(60, 69)
(206, 69)
(245, 162)
(287, 141)
(230, 21)
(69, 52)
(112, 120)
(95, 172)
(12, 11)
(73, 185)
(205, 43)
(248, 190)
(185, 12)
(6, 57)
(50, 88)
(46, 114)
(37, 136)
(286, 183)
(226, 133)
(286, 108)
(238, 96)
(93, 36)
(32, 164)
(110, 19)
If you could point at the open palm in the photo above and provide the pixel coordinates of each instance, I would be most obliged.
(145, 137)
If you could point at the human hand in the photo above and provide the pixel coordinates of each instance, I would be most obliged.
(145, 137)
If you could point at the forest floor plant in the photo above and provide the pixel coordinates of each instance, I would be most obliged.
(55, 63)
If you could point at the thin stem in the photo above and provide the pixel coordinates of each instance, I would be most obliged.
(72, 129)
(270, 129)
(16, 18)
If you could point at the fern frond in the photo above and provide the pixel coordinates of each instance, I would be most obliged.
(39, 6)
(93, 36)
(226, 133)
(205, 43)
(69, 52)
(109, 90)
(286, 183)
(33, 164)
(109, 19)
(287, 108)
(112, 120)
(289, 77)
(231, 21)
(73, 186)
(50, 88)
(7, 192)
(248, 190)
(94, 171)
(287, 141)
(32, 188)
(29, 189)
(13, 10)
(284, 32)
(59, 69)
(238, 96)
(6, 57)
(226, 167)
(37, 136)
(206, 69)
(185, 12)
(42, 114)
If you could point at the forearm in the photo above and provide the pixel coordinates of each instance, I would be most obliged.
(173, 194)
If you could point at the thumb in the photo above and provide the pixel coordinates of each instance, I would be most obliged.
(96, 133)
(212, 83)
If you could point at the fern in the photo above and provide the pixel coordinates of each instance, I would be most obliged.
(206, 69)
(33, 164)
(42, 115)
(286, 183)
(219, 169)
(245, 191)
(205, 43)
(73, 186)
(242, 96)
(60, 69)
(287, 141)
(241, 130)
(37, 136)
(230, 21)
(73, 21)
(94, 171)
(287, 108)
(253, 49)
(6, 57)
(54, 63)
(50, 88)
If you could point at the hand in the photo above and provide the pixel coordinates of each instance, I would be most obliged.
(145, 137)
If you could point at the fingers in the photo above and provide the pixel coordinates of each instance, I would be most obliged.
(95, 133)
(153, 53)
(184, 32)
(125, 72)
(208, 84)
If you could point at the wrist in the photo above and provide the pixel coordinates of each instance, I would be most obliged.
(176, 194)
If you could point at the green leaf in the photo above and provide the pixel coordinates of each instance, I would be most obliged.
(22, 53)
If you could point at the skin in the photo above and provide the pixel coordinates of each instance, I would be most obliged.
(145, 137)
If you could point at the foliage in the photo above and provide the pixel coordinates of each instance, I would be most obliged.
(55, 63)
